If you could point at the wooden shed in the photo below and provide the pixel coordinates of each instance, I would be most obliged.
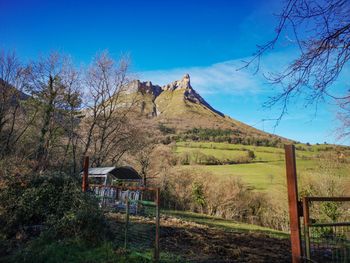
(123, 175)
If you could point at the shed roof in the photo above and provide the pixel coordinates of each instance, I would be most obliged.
(126, 173)
(122, 172)
(100, 170)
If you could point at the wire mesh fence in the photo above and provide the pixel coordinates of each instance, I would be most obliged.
(330, 243)
(134, 214)
(326, 229)
(182, 236)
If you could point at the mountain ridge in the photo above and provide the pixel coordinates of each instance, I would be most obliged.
(179, 106)
(156, 90)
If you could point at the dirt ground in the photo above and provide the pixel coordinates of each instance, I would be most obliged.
(192, 242)
(199, 243)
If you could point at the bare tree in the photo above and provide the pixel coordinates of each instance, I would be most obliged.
(52, 86)
(321, 30)
(108, 134)
(13, 77)
(55, 124)
(71, 113)
(155, 161)
(144, 158)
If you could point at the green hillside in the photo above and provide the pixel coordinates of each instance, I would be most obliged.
(178, 106)
(266, 171)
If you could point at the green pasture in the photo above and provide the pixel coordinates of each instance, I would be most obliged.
(267, 171)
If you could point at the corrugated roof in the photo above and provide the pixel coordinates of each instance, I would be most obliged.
(100, 170)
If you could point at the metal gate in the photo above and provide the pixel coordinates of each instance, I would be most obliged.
(326, 241)
(314, 240)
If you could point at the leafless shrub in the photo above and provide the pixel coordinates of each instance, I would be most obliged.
(184, 189)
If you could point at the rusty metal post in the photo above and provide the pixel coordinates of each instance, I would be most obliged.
(156, 247)
(306, 227)
(294, 214)
(85, 184)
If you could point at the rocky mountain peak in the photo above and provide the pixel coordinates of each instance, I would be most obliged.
(143, 87)
(179, 105)
(182, 86)
(184, 83)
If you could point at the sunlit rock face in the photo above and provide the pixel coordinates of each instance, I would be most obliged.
(184, 83)
(143, 87)
(183, 86)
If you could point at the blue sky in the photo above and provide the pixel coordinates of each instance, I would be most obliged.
(166, 39)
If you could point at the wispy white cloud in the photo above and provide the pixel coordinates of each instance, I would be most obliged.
(223, 77)
(218, 78)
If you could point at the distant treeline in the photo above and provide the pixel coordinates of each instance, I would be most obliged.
(233, 136)
(198, 157)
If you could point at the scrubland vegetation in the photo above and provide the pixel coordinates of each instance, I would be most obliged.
(253, 191)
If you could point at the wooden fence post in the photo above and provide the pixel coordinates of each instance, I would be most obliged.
(126, 221)
(293, 203)
(85, 183)
(306, 226)
(156, 250)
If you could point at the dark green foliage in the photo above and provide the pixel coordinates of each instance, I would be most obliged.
(48, 219)
(230, 136)
(251, 154)
(211, 160)
(201, 132)
(331, 210)
(165, 129)
(52, 205)
(198, 194)
(166, 140)
(205, 134)
(198, 157)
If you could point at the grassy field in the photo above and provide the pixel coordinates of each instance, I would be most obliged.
(267, 171)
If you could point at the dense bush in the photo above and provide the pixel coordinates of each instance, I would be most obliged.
(251, 154)
(51, 205)
(165, 129)
(326, 184)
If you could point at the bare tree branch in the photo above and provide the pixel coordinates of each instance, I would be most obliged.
(322, 32)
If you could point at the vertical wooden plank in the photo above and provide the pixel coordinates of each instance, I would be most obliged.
(85, 183)
(156, 248)
(292, 186)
